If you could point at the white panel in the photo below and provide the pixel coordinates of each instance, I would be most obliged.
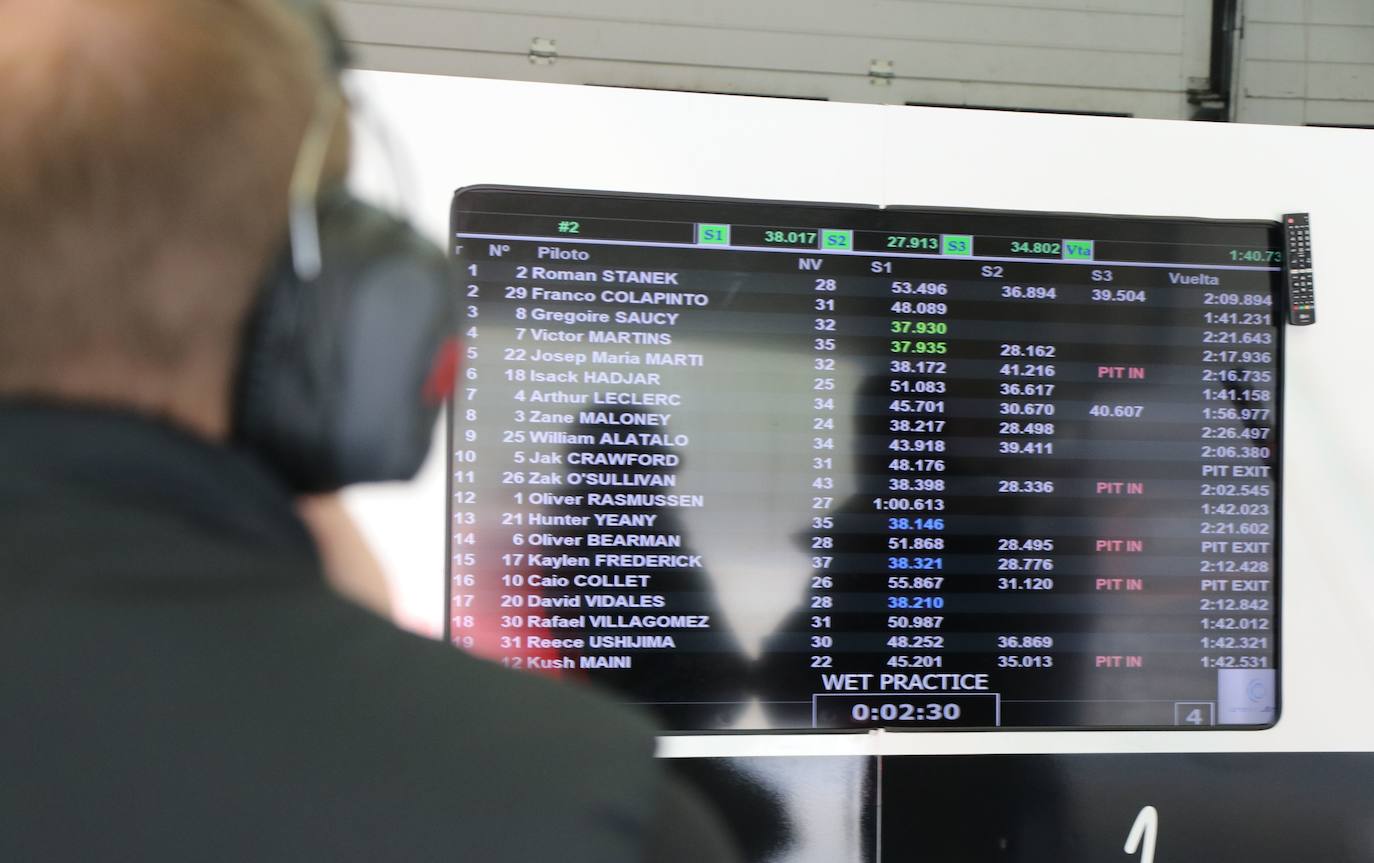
(605, 7)
(1341, 113)
(543, 134)
(1342, 45)
(800, 85)
(1046, 24)
(1342, 12)
(1275, 112)
(1340, 81)
(1171, 7)
(746, 49)
(1274, 80)
(1275, 42)
(1296, 72)
(1197, 41)
(1128, 52)
(1278, 11)
(435, 61)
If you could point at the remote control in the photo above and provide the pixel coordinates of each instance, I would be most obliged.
(1297, 242)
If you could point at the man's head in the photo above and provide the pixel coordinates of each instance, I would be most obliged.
(145, 157)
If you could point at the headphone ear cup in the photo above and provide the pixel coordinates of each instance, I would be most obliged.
(342, 377)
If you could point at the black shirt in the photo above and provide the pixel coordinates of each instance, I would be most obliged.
(178, 683)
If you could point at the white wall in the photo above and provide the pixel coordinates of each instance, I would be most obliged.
(463, 131)
(1307, 61)
(1120, 56)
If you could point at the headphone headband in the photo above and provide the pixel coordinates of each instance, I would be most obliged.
(306, 177)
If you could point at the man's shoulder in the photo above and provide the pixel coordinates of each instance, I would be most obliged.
(504, 748)
(296, 726)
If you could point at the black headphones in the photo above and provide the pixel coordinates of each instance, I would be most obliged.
(351, 348)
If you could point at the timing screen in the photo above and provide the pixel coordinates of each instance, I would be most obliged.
(761, 465)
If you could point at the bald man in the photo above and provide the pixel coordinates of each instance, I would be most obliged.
(177, 679)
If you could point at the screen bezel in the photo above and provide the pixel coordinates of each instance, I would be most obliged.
(672, 206)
